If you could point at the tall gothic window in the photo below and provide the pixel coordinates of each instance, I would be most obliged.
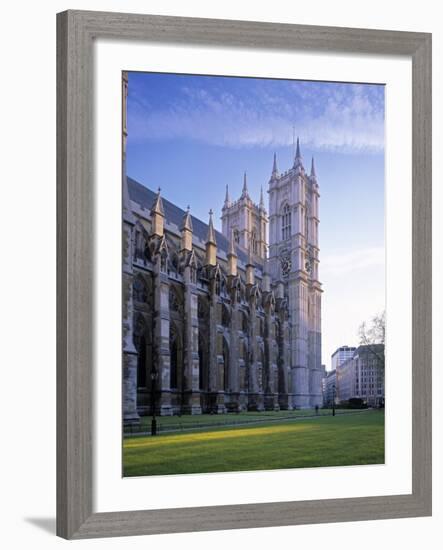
(225, 366)
(173, 350)
(236, 236)
(141, 364)
(286, 222)
(254, 242)
(139, 289)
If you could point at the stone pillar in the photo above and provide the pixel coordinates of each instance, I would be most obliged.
(284, 356)
(216, 397)
(191, 390)
(271, 391)
(298, 304)
(315, 371)
(162, 355)
(130, 357)
(234, 374)
(129, 374)
(255, 401)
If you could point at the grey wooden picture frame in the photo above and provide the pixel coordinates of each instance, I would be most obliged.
(76, 32)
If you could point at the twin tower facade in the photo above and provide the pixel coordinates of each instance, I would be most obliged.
(290, 259)
(229, 321)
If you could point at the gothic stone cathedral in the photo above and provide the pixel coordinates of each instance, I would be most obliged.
(221, 322)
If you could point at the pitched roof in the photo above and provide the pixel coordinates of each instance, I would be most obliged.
(145, 197)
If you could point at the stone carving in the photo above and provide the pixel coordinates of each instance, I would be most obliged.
(286, 264)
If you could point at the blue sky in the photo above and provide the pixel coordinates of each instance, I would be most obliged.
(192, 135)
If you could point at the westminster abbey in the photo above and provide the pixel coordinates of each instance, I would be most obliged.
(222, 322)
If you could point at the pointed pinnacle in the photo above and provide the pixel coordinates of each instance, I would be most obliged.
(157, 207)
(274, 167)
(227, 198)
(313, 174)
(298, 162)
(262, 202)
(211, 233)
(245, 186)
(187, 220)
(297, 152)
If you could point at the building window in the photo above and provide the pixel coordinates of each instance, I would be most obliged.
(286, 222)
(236, 236)
(254, 242)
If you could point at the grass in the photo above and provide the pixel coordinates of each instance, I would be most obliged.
(346, 439)
(178, 423)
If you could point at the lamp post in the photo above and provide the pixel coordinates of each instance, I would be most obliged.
(154, 376)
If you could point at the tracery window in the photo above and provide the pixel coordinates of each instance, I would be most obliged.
(286, 222)
(139, 290)
(174, 302)
(254, 242)
(244, 319)
(138, 245)
(226, 317)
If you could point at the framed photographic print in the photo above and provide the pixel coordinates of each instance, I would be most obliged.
(244, 274)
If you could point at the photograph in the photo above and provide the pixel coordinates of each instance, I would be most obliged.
(253, 273)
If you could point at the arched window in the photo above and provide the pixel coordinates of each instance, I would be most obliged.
(225, 366)
(236, 236)
(244, 319)
(286, 222)
(141, 363)
(201, 360)
(174, 300)
(139, 289)
(254, 242)
(173, 350)
(264, 378)
(226, 317)
(139, 336)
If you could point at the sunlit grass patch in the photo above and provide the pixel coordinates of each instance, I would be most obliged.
(323, 441)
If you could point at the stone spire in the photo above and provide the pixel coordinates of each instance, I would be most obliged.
(158, 215)
(157, 207)
(211, 243)
(211, 233)
(187, 220)
(232, 256)
(313, 174)
(274, 174)
(262, 201)
(245, 187)
(227, 203)
(186, 230)
(298, 161)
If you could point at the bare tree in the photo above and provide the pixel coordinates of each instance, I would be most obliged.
(372, 335)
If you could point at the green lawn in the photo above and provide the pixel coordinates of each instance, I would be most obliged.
(345, 439)
(188, 421)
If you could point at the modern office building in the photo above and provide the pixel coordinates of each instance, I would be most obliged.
(362, 376)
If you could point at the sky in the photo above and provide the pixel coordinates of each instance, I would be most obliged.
(192, 135)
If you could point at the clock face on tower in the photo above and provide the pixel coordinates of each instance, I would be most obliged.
(285, 262)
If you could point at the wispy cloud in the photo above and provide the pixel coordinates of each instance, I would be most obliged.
(347, 262)
(260, 113)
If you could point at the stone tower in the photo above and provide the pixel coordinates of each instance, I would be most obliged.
(247, 222)
(293, 261)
